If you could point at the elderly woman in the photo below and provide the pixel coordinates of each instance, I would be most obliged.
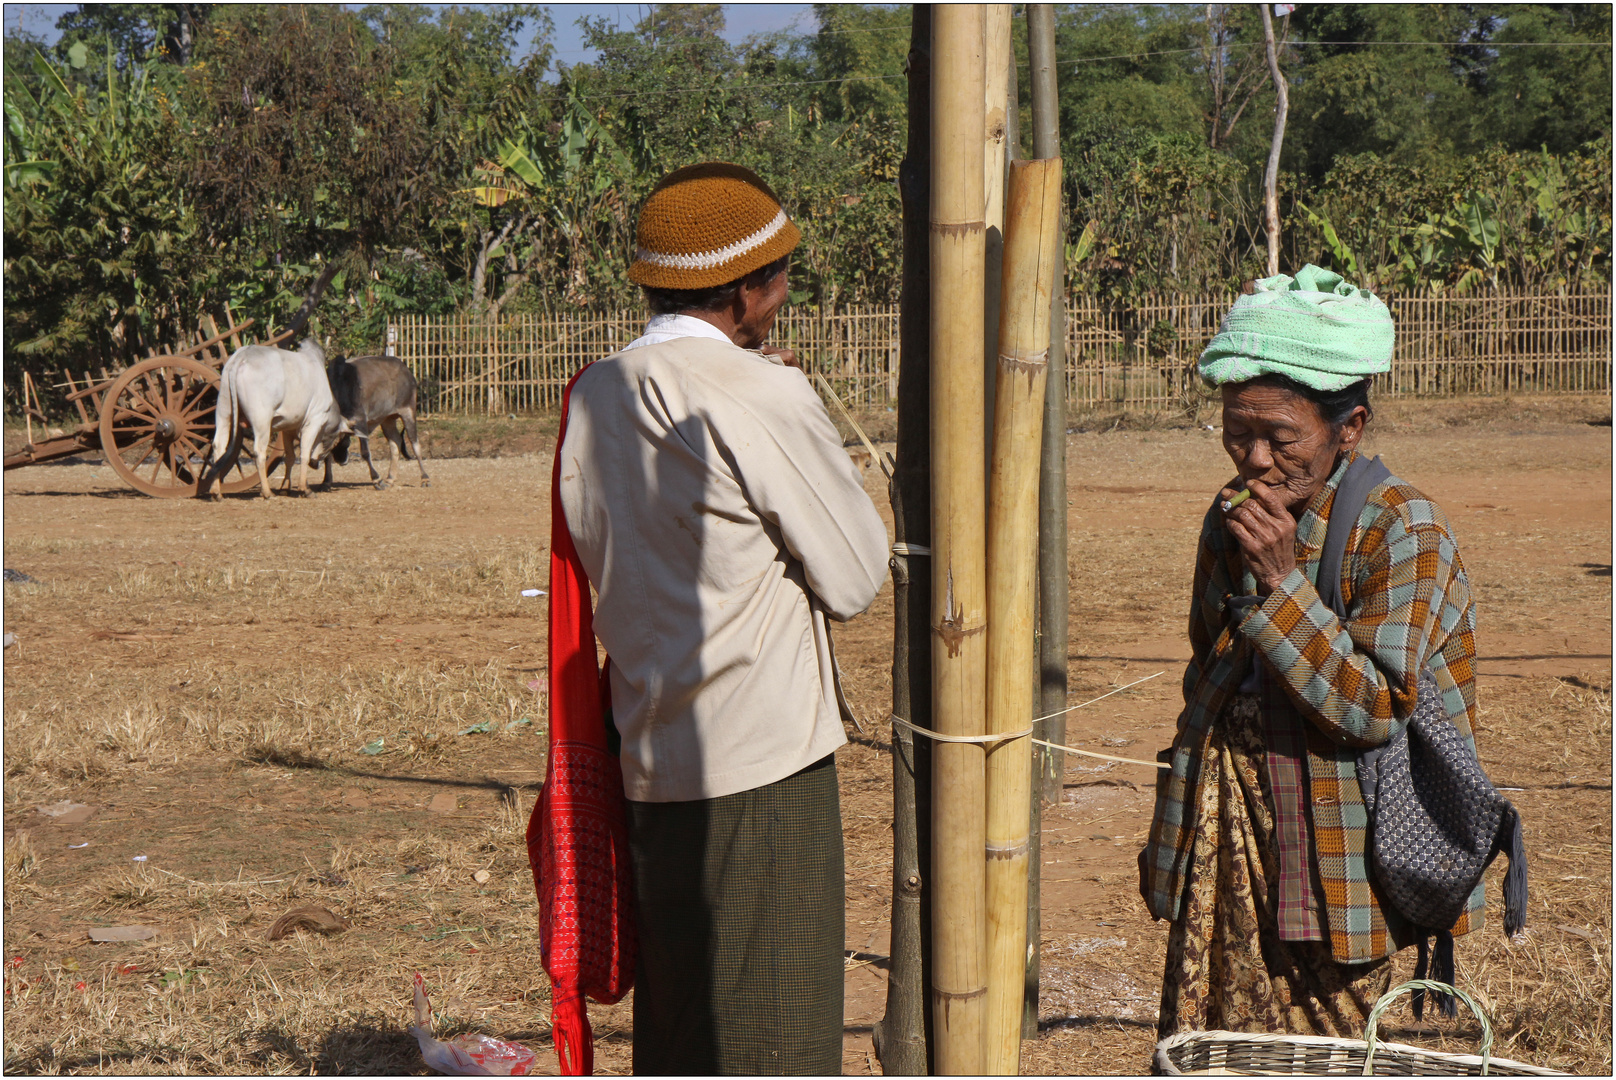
(1257, 847)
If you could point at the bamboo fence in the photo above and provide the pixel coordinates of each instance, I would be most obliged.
(1137, 357)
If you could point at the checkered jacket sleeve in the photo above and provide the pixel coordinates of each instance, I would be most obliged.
(1408, 605)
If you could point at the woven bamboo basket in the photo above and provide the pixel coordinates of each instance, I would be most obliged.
(1233, 1053)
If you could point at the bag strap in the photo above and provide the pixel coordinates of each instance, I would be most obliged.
(1363, 476)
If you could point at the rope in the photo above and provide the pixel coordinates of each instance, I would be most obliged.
(1102, 697)
(865, 439)
(1103, 757)
(1005, 736)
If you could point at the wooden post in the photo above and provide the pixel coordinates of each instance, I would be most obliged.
(959, 600)
(1032, 240)
(1049, 765)
(902, 1036)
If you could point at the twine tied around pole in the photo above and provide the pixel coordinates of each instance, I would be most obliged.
(1004, 736)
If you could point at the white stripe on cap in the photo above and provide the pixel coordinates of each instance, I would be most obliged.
(711, 259)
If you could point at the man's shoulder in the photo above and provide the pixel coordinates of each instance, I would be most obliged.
(698, 366)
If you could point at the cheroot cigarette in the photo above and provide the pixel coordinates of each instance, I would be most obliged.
(1230, 504)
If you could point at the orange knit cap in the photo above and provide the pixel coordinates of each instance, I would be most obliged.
(707, 225)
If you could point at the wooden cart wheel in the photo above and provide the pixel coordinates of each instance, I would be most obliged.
(157, 428)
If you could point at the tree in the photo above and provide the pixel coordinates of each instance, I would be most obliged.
(101, 252)
(1129, 70)
(1534, 96)
(1272, 50)
(319, 147)
(1383, 90)
(863, 48)
(1234, 70)
(676, 24)
(135, 32)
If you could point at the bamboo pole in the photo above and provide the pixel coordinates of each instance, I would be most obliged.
(1049, 766)
(1032, 239)
(959, 607)
(901, 1036)
(998, 56)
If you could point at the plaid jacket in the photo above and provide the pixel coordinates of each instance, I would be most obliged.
(1409, 604)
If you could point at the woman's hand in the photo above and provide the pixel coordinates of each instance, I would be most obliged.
(1266, 533)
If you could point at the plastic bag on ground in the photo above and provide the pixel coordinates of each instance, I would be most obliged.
(465, 1055)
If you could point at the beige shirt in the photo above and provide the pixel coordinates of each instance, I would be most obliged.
(720, 521)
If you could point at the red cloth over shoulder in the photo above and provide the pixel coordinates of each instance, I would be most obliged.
(577, 838)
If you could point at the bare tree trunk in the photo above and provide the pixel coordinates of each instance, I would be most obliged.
(1049, 766)
(311, 300)
(1271, 176)
(479, 274)
(903, 1035)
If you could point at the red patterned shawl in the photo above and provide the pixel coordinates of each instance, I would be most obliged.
(577, 839)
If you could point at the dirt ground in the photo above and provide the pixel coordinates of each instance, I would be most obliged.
(337, 701)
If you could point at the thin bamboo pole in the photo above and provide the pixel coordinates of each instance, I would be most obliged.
(1032, 239)
(1049, 766)
(959, 601)
(901, 1036)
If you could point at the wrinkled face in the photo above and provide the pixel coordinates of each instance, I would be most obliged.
(758, 306)
(1279, 438)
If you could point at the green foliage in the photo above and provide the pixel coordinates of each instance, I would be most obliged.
(1553, 98)
(136, 33)
(101, 247)
(163, 160)
(866, 46)
(1527, 220)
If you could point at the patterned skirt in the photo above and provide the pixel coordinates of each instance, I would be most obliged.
(1227, 968)
(741, 912)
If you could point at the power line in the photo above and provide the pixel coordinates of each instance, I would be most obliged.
(783, 30)
(27, 75)
(1062, 63)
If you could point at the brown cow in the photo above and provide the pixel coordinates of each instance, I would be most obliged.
(373, 390)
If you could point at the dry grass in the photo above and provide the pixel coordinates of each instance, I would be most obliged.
(480, 583)
(210, 679)
(209, 993)
(171, 713)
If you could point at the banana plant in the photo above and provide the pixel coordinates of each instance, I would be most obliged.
(1343, 255)
(95, 234)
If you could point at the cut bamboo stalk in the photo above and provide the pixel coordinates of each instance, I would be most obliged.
(959, 537)
(997, 56)
(1032, 240)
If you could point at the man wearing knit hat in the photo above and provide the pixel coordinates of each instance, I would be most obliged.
(721, 523)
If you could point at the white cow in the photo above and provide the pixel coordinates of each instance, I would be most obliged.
(275, 390)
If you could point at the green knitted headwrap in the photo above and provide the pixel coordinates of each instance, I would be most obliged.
(1314, 328)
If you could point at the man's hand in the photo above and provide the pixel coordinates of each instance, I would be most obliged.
(788, 357)
(1266, 533)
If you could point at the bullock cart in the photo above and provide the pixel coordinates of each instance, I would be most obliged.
(152, 421)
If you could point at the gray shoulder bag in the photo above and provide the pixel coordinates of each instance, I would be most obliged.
(1435, 821)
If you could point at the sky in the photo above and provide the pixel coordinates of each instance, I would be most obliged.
(741, 20)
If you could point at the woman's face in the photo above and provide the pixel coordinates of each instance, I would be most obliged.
(1278, 438)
